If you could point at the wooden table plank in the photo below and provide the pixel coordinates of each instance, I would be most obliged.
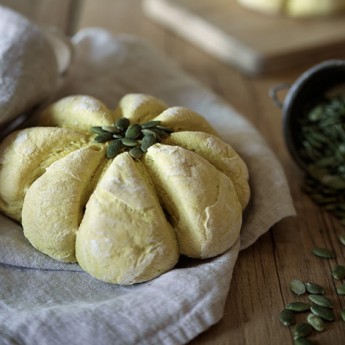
(252, 41)
(62, 14)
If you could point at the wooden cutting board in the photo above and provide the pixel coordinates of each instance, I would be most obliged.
(254, 42)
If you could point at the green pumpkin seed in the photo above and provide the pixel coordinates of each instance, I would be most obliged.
(147, 141)
(287, 317)
(316, 113)
(111, 129)
(327, 161)
(122, 123)
(316, 322)
(302, 341)
(323, 253)
(97, 130)
(129, 142)
(150, 124)
(341, 289)
(314, 289)
(297, 287)
(101, 138)
(159, 133)
(321, 301)
(135, 138)
(165, 129)
(331, 207)
(342, 314)
(302, 330)
(136, 152)
(298, 306)
(325, 313)
(133, 131)
(114, 148)
(335, 182)
(338, 272)
(149, 132)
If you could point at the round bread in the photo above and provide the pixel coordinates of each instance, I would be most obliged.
(126, 219)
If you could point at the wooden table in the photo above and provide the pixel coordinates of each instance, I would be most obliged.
(260, 285)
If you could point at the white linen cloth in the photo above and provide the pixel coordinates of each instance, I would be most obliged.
(28, 67)
(43, 302)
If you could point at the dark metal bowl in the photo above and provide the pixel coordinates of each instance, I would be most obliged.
(307, 91)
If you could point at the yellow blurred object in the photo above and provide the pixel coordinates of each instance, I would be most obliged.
(296, 8)
(267, 6)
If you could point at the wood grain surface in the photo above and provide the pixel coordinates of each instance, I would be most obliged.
(62, 14)
(259, 289)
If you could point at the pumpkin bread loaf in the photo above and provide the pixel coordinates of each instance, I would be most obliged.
(124, 193)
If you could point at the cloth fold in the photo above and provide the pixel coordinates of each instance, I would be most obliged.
(46, 302)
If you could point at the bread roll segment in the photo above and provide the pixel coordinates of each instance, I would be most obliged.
(124, 237)
(184, 119)
(219, 154)
(54, 203)
(139, 107)
(201, 201)
(78, 112)
(24, 156)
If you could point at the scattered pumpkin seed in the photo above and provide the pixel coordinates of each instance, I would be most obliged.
(133, 131)
(342, 314)
(323, 253)
(341, 289)
(97, 130)
(302, 341)
(148, 132)
(114, 148)
(150, 124)
(325, 313)
(136, 152)
(302, 330)
(287, 317)
(321, 301)
(314, 289)
(147, 141)
(122, 123)
(297, 287)
(338, 272)
(129, 142)
(160, 133)
(334, 182)
(117, 135)
(165, 129)
(316, 322)
(103, 137)
(111, 129)
(298, 306)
